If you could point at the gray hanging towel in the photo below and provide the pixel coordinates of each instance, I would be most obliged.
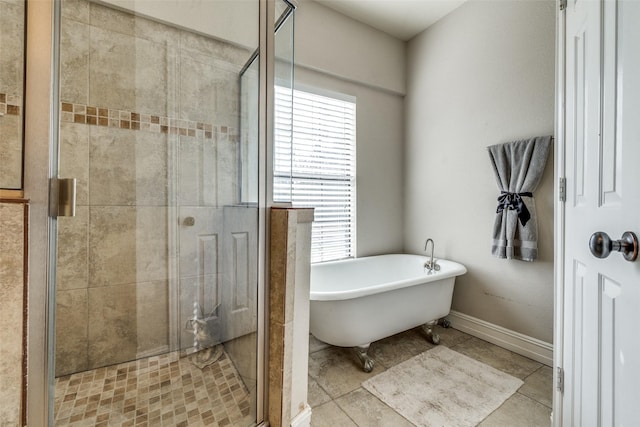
(518, 166)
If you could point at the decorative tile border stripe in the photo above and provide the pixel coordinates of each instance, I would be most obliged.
(10, 104)
(98, 116)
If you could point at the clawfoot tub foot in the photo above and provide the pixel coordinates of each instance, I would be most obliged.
(428, 330)
(444, 323)
(365, 359)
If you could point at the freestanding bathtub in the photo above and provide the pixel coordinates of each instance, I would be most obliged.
(358, 301)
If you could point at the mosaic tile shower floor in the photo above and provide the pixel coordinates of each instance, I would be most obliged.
(158, 391)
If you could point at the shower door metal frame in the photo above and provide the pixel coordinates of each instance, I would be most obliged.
(265, 193)
(39, 156)
(41, 165)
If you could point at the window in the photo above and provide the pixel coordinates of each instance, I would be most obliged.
(319, 168)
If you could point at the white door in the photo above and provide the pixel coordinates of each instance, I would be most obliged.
(218, 246)
(218, 273)
(601, 347)
(201, 234)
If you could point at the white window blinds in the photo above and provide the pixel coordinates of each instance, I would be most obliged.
(319, 168)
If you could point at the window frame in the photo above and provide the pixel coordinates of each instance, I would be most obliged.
(346, 143)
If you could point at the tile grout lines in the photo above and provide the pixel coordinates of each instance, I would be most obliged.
(161, 390)
(10, 104)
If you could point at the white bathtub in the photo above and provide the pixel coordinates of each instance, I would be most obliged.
(355, 302)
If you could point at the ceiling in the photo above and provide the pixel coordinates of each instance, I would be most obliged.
(402, 19)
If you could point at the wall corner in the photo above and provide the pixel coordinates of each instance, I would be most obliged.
(290, 268)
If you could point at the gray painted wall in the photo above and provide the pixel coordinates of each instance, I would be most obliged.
(482, 75)
(354, 61)
(337, 45)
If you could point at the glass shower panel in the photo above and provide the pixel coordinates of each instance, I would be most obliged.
(283, 111)
(12, 37)
(249, 148)
(157, 274)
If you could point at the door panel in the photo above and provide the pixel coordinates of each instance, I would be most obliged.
(201, 235)
(610, 144)
(239, 295)
(601, 354)
(609, 291)
(218, 271)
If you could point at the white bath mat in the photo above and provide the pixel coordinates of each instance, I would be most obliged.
(442, 387)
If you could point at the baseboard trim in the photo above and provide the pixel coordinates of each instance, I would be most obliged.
(303, 419)
(524, 345)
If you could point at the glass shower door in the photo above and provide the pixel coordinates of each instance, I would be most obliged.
(157, 273)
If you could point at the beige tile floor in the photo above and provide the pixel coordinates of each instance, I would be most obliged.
(158, 391)
(338, 399)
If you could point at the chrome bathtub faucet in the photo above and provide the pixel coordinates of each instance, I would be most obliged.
(431, 265)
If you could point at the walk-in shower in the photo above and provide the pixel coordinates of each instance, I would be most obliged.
(157, 274)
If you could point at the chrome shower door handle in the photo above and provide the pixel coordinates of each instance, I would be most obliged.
(62, 197)
(601, 245)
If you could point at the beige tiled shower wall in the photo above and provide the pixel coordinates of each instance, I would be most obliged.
(12, 254)
(119, 257)
(11, 86)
